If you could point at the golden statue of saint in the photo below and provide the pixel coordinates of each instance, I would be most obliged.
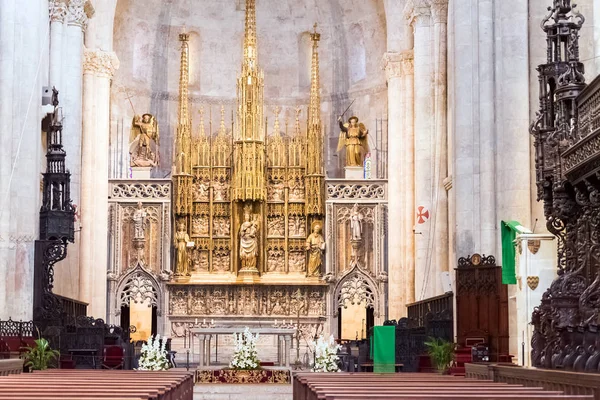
(181, 245)
(143, 147)
(315, 245)
(249, 240)
(353, 136)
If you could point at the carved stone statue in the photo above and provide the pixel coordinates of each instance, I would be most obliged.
(315, 245)
(356, 223)
(181, 245)
(144, 140)
(249, 240)
(353, 136)
(139, 222)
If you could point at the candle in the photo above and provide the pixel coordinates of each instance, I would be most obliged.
(204, 321)
(196, 322)
(212, 321)
(275, 322)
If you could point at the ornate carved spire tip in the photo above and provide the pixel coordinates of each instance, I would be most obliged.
(184, 37)
(315, 36)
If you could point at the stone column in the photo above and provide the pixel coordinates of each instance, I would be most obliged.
(419, 16)
(99, 66)
(66, 73)
(439, 14)
(58, 11)
(399, 73)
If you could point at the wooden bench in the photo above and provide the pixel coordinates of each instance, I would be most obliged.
(98, 384)
(340, 386)
(397, 367)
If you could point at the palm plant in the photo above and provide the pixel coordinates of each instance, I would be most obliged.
(38, 357)
(441, 353)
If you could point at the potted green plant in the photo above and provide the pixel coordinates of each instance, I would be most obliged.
(40, 356)
(441, 353)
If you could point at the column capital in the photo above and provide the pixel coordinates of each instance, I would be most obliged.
(398, 64)
(100, 63)
(57, 10)
(439, 11)
(417, 12)
(79, 12)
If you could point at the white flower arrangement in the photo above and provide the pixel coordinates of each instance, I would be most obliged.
(154, 355)
(326, 358)
(245, 355)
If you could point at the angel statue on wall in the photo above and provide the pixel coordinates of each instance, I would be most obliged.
(315, 245)
(353, 136)
(144, 141)
(249, 240)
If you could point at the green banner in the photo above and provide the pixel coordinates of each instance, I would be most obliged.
(383, 346)
(508, 234)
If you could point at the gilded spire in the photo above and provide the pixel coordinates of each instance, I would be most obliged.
(250, 42)
(250, 133)
(314, 111)
(184, 128)
(315, 183)
(184, 79)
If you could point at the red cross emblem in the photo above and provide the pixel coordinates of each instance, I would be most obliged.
(422, 215)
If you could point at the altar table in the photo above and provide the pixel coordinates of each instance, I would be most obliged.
(204, 336)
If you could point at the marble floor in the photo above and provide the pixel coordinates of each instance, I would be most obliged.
(242, 392)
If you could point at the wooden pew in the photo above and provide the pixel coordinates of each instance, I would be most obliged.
(348, 386)
(98, 384)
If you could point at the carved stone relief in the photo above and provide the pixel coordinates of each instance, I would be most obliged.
(297, 225)
(247, 300)
(356, 290)
(221, 190)
(276, 226)
(200, 190)
(221, 226)
(139, 288)
(297, 261)
(275, 191)
(296, 190)
(200, 225)
(199, 260)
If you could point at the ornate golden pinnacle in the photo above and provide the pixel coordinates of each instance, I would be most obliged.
(184, 37)
(315, 36)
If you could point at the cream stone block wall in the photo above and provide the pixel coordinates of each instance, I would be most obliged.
(23, 71)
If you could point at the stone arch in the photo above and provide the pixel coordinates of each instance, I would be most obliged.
(139, 285)
(355, 288)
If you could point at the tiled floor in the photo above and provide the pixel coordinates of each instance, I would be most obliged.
(243, 392)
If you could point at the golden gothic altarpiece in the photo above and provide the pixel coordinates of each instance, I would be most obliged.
(245, 226)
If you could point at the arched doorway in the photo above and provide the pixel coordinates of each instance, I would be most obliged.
(138, 300)
(356, 304)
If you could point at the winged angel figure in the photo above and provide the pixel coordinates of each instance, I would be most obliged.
(353, 136)
(144, 141)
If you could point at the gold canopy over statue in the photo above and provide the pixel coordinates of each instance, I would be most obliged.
(353, 136)
(143, 147)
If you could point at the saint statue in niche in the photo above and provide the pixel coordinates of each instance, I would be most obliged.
(315, 245)
(356, 224)
(144, 139)
(249, 239)
(139, 222)
(181, 245)
(353, 136)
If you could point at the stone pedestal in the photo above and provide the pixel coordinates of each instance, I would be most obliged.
(141, 172)
(535, 269)
(354, 173)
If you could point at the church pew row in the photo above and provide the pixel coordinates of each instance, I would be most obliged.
(349, 386)
(98, 384)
